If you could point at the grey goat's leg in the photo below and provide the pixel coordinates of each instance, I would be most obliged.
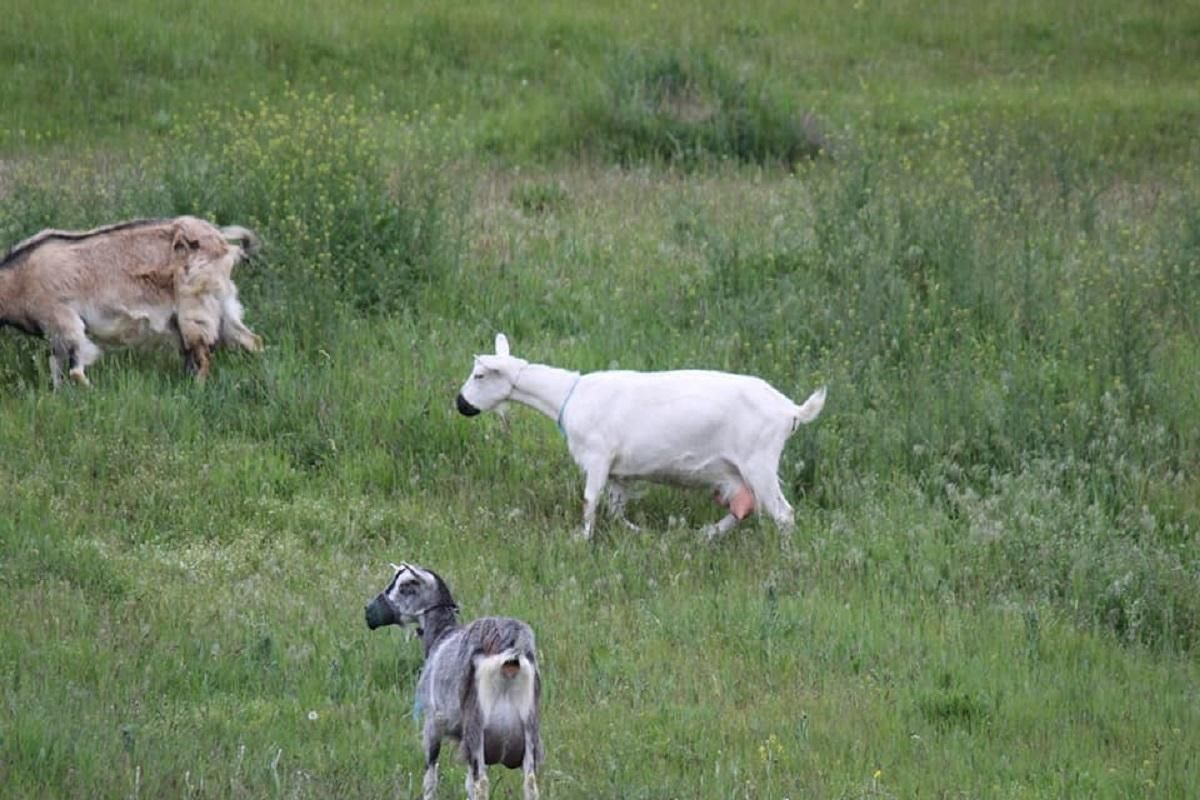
(433, 746)
(472, 746)
(533, 757)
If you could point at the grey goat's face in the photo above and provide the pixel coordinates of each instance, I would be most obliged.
(411, 592)
(491, 380)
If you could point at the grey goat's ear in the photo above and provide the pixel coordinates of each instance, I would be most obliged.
(501, 344)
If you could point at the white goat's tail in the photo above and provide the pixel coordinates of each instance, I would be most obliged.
(244, 237)
(811, 408)
(506, 675)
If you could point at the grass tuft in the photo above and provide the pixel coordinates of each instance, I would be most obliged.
(667, 107)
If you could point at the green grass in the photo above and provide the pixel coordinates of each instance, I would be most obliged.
(544, 81)
(993, 588)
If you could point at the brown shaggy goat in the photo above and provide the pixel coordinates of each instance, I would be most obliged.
(131, 283)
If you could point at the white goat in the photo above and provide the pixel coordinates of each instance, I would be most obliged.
(686, 427)
(480, 683)
(140, 281)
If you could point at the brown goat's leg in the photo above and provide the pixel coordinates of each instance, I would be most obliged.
(198, 317)
(56, 369)
(69, 345)
(233, 330)
(196, 360)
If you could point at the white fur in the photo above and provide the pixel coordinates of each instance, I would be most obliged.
(689, 427)
(506, 702)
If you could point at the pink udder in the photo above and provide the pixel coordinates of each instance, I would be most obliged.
(742, 503)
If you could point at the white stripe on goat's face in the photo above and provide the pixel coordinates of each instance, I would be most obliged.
(411, 591)
(491, 380)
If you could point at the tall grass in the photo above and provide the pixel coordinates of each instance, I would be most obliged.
(353, 222)
(532, 79)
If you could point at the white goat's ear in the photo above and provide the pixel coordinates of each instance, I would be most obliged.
(396, 567)
(501, 344)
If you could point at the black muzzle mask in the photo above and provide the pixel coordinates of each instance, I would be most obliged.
(379, 613)
(465, 408)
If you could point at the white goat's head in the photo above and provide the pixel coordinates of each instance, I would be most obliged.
(491, 380)
(413, 591)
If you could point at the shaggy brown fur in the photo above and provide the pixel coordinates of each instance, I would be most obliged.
(130, 283)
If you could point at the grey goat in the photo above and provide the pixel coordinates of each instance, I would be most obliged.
(480, 682)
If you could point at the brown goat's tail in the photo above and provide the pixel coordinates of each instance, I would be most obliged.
(244, 237)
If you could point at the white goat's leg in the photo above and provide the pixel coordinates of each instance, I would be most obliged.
(784, 516)
(617, 494)
(719, 529)
(771, 499)
(741, 504)
(597, 476)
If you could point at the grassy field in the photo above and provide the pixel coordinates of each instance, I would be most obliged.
(979, 224)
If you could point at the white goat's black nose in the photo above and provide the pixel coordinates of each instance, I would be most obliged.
(465, 408)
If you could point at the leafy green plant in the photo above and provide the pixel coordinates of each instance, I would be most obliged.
(348, 222)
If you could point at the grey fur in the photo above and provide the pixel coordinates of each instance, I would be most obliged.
(480, 683)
